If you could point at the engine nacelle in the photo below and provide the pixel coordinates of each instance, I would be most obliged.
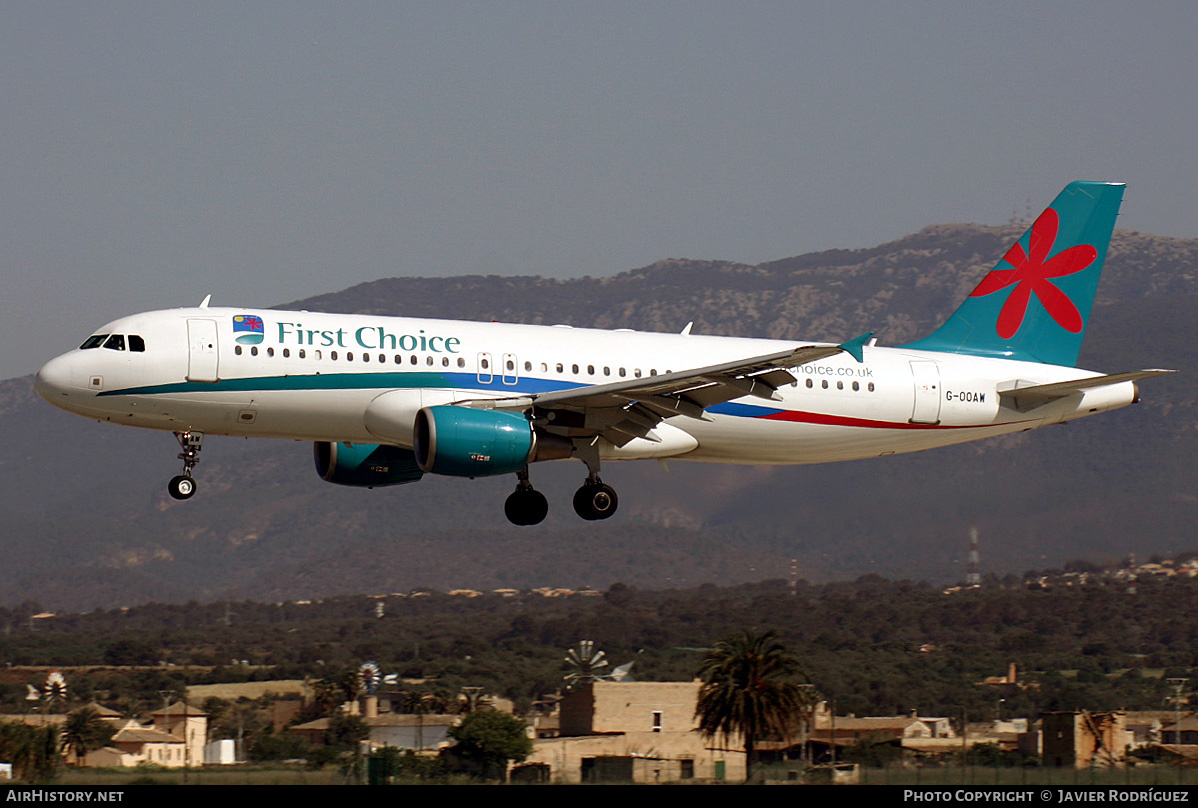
(365, 465)
(465, 442)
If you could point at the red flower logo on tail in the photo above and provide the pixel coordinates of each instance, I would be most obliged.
(1032, 273)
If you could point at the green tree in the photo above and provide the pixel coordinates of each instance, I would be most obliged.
(748, 691)
(33, 751)
(84, 731)
(345, 731)
(490, 739)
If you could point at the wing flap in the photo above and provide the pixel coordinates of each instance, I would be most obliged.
(629, 409)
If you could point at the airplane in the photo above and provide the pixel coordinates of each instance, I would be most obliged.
(386, 400)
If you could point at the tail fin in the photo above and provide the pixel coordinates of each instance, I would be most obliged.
(1034, 304)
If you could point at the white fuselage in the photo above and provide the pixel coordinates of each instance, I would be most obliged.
(315, 376)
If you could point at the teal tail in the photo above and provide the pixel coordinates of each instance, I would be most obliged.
(1035, 303)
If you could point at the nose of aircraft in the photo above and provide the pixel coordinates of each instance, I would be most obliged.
(53, 381)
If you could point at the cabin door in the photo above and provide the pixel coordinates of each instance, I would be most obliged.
(202, 353)
(926, 409)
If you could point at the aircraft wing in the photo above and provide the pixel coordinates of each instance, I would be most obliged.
(624, 410)
(1024, 399)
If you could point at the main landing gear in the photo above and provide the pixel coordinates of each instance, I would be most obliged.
(595, 500)
(526, 505)
(184, 485)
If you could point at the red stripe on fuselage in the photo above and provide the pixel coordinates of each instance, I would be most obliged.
(825, 419)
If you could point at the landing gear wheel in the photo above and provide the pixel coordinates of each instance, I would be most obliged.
(181, 487)
(526, 506)
(595, 501)
(184, 486)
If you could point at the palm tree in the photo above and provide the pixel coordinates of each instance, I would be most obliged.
(84, 731)
(748, 691)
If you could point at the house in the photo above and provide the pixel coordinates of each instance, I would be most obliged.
(400, 730)
(185, 721)
(134, 744)
(1187, 727)
(641, 732)
(1083, 739)
(175, 738)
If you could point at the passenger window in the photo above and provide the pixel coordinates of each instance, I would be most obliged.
(270, 351)
(574, 368)
(136, 343)
(301, 353)
(856, 387)
(461, 362)
(254, 351)
(116, 342)
(365, 357)
(93, 342)
(637, 373)
(591, 370)
(333, 355)
(382, 359)
(606, 371)
(622, 371)
(871, 387)
(445, 361)
(349, 356)
(561, 368)
(810, 384)
(413, 359)
(429, 361)
(286, 353)
(527, 366)
(237, 350)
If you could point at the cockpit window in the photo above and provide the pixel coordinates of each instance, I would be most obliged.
(136, 343)
(93, 342)
(116, 342)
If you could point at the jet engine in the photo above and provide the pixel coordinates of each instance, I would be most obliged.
(365, 465)
(465, 442)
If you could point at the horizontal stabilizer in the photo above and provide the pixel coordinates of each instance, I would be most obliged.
(1029, 398)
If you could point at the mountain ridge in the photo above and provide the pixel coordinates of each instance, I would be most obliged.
(87, 523)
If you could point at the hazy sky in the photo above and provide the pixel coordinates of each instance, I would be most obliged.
(153, 153)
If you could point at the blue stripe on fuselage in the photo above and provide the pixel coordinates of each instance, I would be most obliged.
(393, 381)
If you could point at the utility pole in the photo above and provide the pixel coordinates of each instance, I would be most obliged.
(1178, 698)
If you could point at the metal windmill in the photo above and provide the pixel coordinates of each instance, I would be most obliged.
(586, 664)
(368, 677)
(55, 690)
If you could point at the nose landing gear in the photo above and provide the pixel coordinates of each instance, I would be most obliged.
(183, 486)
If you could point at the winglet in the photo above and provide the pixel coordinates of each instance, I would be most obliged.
(855, 346)
(205, 301)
